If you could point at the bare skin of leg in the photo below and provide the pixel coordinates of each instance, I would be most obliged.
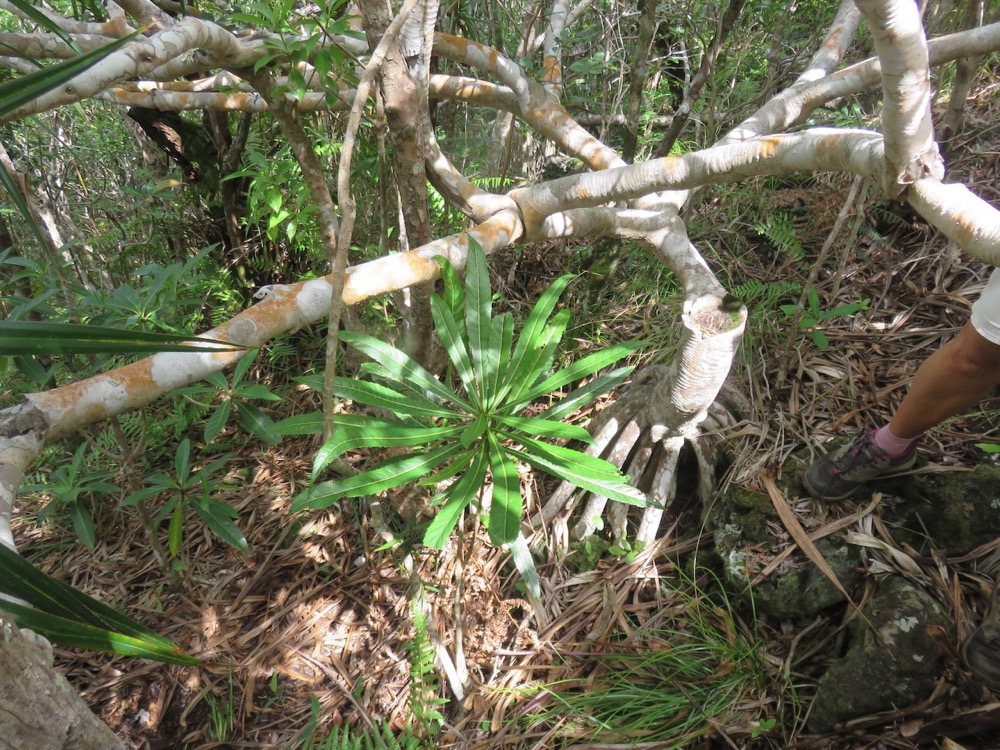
(951, 381)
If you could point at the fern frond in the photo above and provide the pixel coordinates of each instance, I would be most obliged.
(424, 686)
(766, 295)
(779, 228)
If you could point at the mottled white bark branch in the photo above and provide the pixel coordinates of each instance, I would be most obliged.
(911, 153)
(827, 149)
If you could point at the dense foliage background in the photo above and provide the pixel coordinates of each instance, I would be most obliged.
(337, 625)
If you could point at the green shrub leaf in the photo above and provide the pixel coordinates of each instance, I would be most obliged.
(220, 517)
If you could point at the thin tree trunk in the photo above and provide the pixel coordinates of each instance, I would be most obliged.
(965, 73)
(647, 23)
(399, 78)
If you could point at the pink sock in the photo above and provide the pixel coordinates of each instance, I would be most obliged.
(892, 445)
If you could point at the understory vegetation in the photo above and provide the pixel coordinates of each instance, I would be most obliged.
(391, 586)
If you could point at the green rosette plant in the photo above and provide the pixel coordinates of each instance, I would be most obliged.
(461, 437)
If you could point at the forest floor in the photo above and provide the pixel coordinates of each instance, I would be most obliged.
(316, 626)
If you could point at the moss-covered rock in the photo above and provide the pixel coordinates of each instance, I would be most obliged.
(956, 512)
(897, 667)
(740, 520)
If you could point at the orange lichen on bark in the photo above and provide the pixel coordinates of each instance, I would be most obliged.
(388, 274)
(967, 229)
(116, 27)
(231, 101)
(769, 146)
(551, 69)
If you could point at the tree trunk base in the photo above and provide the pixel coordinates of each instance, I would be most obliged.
(630, 435)
(39, 709)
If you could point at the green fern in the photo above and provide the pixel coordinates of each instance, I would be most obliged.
(424, 699)
(766, 295)
(779, 228)
(872, 233)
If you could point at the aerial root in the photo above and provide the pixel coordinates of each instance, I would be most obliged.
(649, 453)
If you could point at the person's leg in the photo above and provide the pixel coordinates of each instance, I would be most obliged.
(952, 380)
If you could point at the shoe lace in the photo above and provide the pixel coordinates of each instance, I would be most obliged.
(862, 450)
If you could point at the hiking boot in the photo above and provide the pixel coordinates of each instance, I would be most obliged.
(981, 652)
(837, 475)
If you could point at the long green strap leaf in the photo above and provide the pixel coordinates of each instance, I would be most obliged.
(450, 333)
(400, 366)
(30, 337)
(507, 504)
(385, 476)
(532, 332)
(459, 495)
(378, 434)
(66, 632)
(29, 10)
(587, 472)
(19, 91)
(478, 315)
(584, 395)
(454, 292)
(536, 362)
(501, 338)
(536, 334)
(375, 394)
(547, 428)
(49, 595)
(23, 580)
(581, 369)
(9, 183)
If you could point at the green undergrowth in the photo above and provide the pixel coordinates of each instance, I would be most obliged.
(693, 669)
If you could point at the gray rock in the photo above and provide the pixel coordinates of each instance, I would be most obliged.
(898, 668)
(740, 520)
(956, 511)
